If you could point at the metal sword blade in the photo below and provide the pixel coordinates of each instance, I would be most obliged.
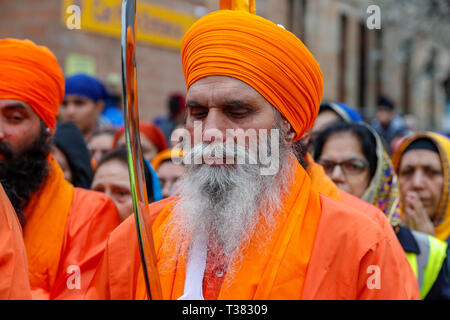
(134, 152)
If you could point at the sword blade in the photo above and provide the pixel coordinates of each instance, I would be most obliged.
(134, 152)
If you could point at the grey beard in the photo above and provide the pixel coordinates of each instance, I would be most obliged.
(225, 204)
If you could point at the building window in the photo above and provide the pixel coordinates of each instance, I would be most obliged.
(378, 64)
(296, 18)
(342, 64)
(406, 73)
(362, 66)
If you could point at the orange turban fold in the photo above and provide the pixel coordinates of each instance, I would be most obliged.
(256, 51)
(30, 73)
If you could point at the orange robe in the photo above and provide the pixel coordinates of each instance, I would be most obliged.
(65, 234)
(321, 249)
(14, 282)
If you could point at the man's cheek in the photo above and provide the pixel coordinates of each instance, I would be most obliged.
(19, 147)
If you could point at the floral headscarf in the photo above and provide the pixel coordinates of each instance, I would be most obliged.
(383, 190)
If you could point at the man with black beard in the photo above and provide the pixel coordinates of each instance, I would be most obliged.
(64, 228)
(238, 230)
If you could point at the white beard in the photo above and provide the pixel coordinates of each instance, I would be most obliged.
(224, 204)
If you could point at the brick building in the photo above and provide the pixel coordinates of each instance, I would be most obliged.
(358, 63)
(44, 22)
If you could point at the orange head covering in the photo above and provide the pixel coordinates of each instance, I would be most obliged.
(256, 51)
(151, 131)
(246, 5)
(167, 154)
(30, 73)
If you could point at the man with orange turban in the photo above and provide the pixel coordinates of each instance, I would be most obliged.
(64, 228)
(237, 231)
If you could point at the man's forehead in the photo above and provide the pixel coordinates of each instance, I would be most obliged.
(221, 87)
(76, 97)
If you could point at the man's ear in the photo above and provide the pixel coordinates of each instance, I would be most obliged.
(100, 105)
(290, 132)
(307, 137)
(49, 133)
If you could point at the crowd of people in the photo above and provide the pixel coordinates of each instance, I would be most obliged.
(356, 210)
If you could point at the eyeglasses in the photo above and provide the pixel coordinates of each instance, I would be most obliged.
(350, 167)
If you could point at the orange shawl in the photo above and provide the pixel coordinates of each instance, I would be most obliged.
(277, 273)
(46, 217)
(14, 282)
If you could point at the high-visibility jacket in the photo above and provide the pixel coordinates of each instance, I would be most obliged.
(428, 263)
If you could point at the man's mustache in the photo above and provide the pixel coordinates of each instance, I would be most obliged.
(221, 152)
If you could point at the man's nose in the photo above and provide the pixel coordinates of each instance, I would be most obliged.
(214, 127)
(70, 110)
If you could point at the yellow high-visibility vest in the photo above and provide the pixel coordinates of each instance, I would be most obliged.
(428, 263)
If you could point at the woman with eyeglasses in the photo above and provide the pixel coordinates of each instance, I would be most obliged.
(353, 156)
(347, 152)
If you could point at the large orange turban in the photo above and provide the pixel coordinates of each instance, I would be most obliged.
(31, 74)
(260, 53)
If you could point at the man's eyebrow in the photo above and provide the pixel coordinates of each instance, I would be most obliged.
(227, 103)
(237, 104)
(193, 104)
(15, 106)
